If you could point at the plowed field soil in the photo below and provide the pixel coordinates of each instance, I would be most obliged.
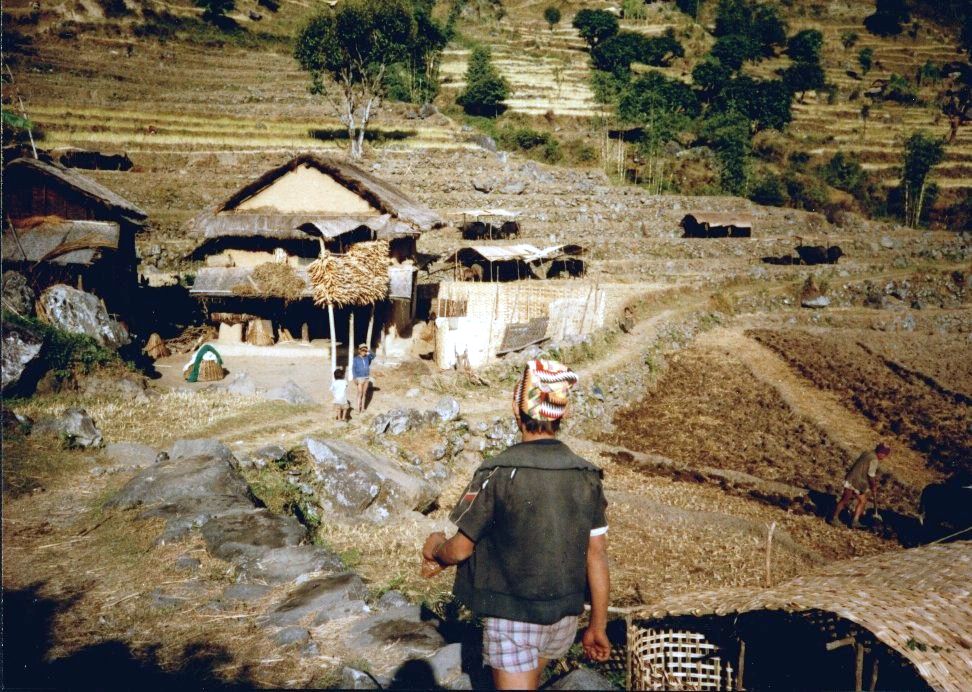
(909, 405)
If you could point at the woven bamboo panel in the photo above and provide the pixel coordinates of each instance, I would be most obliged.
(674, 660)
(210, 371)
(917, 602)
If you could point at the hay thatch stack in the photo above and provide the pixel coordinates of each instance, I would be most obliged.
(156, 348)
(210, 371)
(259, 333)
(272, 280)
(359, 277)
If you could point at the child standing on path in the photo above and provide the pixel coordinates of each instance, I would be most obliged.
(361, 372)
(339, 394)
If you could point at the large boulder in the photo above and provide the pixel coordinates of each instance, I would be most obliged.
(447, 408)
(125, 387)
(131, 455)
(402, 629)
(74, 426)
(290, 392)
(251, 534)
(78, 312)
(21, 348)
(282, 565)
(321, 599)
(17, 295)
(354, 482)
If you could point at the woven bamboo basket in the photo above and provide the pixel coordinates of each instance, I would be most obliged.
(210, 371)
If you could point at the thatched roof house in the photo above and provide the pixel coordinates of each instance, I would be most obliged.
(66, 228)
(514, 262)
(701, 224)
(289, 216)
(901, 619)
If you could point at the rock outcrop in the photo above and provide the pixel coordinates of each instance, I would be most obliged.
(77, 312)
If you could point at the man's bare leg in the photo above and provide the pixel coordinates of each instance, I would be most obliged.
(859, 509)
(530, 680)
(844, 501)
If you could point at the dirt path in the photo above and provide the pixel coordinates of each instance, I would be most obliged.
(846, 428)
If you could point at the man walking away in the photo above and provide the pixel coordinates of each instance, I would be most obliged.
(532, 535)
(860, 482)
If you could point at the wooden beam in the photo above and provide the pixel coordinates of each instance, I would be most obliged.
(874, 674)
(741, 666)
(846, 641)
(859, 668)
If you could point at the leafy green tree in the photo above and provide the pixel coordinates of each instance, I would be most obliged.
(805, 46)
(922, 152)
(654, 95)
(689, 7)
(595, 26)
(865, 58)
(768, 28)
(888, 17)
(348, 50)
(769, 191)
(766, 103)
(215, 10)
(802, 77)
(844, 172)
(728, 135)
(551, 15)
(616, 54)
(733, 17)
(486, 88)
(900, 90)
(732, 50)
(710, 76)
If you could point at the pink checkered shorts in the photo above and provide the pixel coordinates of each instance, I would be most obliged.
(517, 647)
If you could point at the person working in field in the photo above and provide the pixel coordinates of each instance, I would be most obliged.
(361, 372)
(532, 534)
(861, 483)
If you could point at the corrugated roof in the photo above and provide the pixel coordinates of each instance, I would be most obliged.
(509, 253)
(60, 241)
(81, 184)
(220, 281)
(903, 597)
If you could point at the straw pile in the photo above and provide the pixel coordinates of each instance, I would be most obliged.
(359, 277)
(156, 348)
(210, 371)
(272, 280)
(259, 333)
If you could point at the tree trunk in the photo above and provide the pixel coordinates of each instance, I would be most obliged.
(330, 319)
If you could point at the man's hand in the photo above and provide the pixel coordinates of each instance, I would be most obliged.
(432, 544)
(597, 646)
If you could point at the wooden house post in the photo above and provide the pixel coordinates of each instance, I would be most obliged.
(371, 325)
(330, 319)
(351, 346)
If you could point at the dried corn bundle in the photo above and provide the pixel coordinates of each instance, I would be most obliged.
(359, 277)
(272, 280)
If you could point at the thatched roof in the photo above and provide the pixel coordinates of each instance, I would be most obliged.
(903, 597)
(397, 216)
(510, 253)
(60, 241)
(221, 282)
(716, 219)
(98, 194)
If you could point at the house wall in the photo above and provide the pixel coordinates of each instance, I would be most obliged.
(251, 258)
(574, 308)
(306, 189)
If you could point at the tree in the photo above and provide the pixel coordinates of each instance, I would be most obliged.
(849, 39)
(865, 58)
(485, 88)
(728, 135)
(888, 17)
(922, 152)
(802, 77)
(215, 10)
(552, 16)
(616, 54)
(352, 47)
(689, 7)
(766, 103)
(844, 172)
(710, 76)
(805, 46)
(768, 191)
(732, 50)
(595, 26)
(733, 17)
(768, 29)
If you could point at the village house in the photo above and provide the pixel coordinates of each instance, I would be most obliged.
(257, 247)
(62, 227)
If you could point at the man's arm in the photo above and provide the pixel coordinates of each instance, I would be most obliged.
(596, 643)
(450, 551)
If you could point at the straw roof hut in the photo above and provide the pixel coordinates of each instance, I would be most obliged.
(62, 227)
(909, 610)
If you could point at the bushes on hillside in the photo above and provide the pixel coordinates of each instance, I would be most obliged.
(616, 54)
(595, 26)
(865, 58)
(215, 10)
(114, 9)
(888, 17)
(485, 88)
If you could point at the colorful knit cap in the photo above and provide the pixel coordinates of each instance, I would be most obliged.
(543, 389)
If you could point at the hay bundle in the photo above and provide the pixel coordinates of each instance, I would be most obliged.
(359, 277)
(156, 348)
(272, 280)
(210, 371)
(259, 333)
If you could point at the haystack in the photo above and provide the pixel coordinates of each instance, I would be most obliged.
(210, 371)
(357, 278)
(272, 280)
(259, 333)
(156, 348)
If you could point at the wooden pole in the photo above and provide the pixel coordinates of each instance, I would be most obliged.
(769, 554)
(351, 346)
(859, 667)
(371, 325)
(874, 674)
(333, 335)
(741, 667)
(305, 333)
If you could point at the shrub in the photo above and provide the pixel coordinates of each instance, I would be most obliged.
(710, 76)
(528, 140)
(844, 172)
(922, 152)
(888, 17)
(689, 7)
(271, 5)
(801, 77)
(849, 39)
(64, 353)
(485, 88)
(805, 46)
(732, 50)
(900, 90)
(769, 191)
(634, 10)
(728, 135)
(113, 9)
(805, 192)
(551, 15)
(606, 86)
(595, 26)
(865, 58)
(215, 10)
